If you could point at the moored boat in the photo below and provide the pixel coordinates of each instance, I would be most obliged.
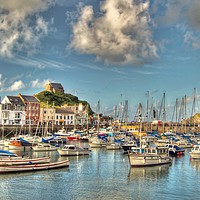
(151, 157)
(73, 150)
(97, 143)
(44, 147)
(175, 150)
(34, 167)
(195, 152)
(5, 153)
(19, 143)
(113, 146)
(23, 161)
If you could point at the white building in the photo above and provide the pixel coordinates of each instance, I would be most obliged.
(13, 111)
(64, 116)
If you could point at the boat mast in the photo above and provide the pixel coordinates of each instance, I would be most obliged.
(176, 113)
(140, 124)
(98, 116)
(193, 108)
(29, 116)
(147, 111)
(185, 113)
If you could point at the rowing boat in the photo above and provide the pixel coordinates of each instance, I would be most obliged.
(23, 161)
(34, 167)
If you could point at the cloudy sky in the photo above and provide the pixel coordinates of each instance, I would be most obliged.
(99, 50)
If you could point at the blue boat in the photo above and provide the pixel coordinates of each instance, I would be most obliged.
(7, 153)
(175, 150)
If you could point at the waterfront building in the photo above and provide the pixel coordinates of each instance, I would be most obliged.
(13, 111)
(64, 116)
(80, 113)
(54, 87)
(32, 106)
(47, 116)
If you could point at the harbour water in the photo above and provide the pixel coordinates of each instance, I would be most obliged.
(105, 175)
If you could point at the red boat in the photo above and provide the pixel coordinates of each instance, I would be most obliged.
(73, 137)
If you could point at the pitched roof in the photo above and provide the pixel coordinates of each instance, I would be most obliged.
(15, 100)
(29, 98)
(57, 86)
(64, 111)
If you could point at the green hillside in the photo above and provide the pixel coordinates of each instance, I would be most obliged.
(59, 99)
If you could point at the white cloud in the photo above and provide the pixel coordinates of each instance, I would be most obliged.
(17, 85)
(191, 39)
(121, 35)
(1, 80)
(184, 14)
(39, 84)
(18, 31)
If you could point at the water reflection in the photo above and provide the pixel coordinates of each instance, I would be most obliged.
(195, 163)
(150, 173)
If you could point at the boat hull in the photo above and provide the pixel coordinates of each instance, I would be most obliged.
(113, 146)
(195, 155)
(23, 161)
(35, 167)
(73, 153)
(139, 160)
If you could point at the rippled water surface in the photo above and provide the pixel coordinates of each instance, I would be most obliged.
(105, 174)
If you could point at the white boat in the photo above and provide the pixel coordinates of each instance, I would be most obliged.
(34, 167)
(44, 147)
(97, 143)
(73, 150)
(23, 161)
(62, 133)
(113, 146)
(195, 152)
(150, 157)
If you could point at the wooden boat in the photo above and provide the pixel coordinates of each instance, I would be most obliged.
(44, 147)
(34, 167)
(23, 161)
(73, 150)
(151, 157)
(195, 152)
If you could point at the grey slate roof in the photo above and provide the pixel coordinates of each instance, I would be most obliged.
(64, 111)
(15, 100)
(29, 98)
(57, 86)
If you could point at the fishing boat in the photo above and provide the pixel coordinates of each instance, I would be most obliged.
(150, 157)
(23, 161)
(34, 167)
(44, 147)
(73, 150)
(195, 152)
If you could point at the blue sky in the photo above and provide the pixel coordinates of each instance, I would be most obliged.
(99, 50)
